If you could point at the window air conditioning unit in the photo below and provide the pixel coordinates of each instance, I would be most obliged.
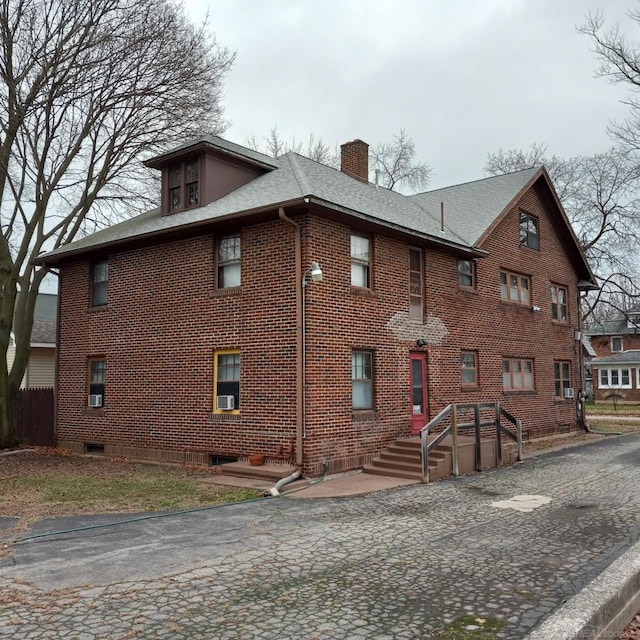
(568, 393)
(225, 403)
(95, 400)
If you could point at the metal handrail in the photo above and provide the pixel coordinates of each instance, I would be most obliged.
(503, 430)
(426, 446)
(452, 410)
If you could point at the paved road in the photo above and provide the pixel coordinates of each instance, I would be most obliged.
(409, 563)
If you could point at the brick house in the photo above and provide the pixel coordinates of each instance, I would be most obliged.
(284, 307)
(615, 367)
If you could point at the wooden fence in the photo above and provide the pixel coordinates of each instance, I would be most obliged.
(34, 417)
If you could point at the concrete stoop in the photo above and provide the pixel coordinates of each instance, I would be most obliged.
(402, 459)
(269, 472)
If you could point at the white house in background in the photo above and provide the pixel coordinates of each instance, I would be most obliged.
(41, 369)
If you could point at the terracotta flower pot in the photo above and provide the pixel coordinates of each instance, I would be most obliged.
(256, 459)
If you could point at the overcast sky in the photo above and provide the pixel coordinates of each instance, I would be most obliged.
(462, 77)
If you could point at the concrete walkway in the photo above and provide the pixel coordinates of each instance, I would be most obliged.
(494, 555)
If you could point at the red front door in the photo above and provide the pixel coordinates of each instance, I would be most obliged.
(418, 392)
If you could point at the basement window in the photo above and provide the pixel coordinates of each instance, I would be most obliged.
(93, 449)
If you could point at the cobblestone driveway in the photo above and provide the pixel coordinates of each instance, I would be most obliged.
(400, 564)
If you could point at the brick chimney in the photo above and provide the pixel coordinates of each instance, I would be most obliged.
(354, 159)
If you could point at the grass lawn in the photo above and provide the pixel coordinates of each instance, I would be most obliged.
(613, 426)
(608, 408)
(52, 483)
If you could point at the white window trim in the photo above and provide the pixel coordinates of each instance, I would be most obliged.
(611, 344)
(362, 263)
(619, 370)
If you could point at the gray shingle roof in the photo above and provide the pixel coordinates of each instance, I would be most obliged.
(296, 177)
(622, 357)
(472, 207)
(469, 209)
(618, 327)
(44, 319)
(230, 148)
(586, 343)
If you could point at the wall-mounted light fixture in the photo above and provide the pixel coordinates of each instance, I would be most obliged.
(535, 309)
(577, 334)
(315, 272)
(420, 342)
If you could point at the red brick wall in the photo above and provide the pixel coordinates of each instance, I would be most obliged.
(158, 333)
(165, 319)
(602, 344)
(480, 321)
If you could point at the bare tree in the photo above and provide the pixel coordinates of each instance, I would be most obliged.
(619, 62)
(87, 88)
(314, 148)
(394, 164)
(600, 196)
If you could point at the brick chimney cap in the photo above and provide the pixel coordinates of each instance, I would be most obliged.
(355, 141)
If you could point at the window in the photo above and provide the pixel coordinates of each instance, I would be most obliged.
(191, 182)
(467, 273)
(226, 382)
(99, 279)
(97, 371)
(362, 380)
(529, 231)
(514, 287)
(228, 258)
(562, 377)
(469, 367)
(416, 284)
(175, 187)
(558, 303)
(614, 379)
(360, 261)
(517, 375)
(183, 185)
(616, 343)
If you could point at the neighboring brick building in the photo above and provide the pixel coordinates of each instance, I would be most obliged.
(201, 330)
(616, 366)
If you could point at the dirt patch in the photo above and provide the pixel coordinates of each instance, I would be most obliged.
(553, 443)
(632, 631)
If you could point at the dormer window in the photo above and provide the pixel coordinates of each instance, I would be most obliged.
(204, 170)
(183, 185)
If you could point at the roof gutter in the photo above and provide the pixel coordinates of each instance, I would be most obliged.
(52, 258)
